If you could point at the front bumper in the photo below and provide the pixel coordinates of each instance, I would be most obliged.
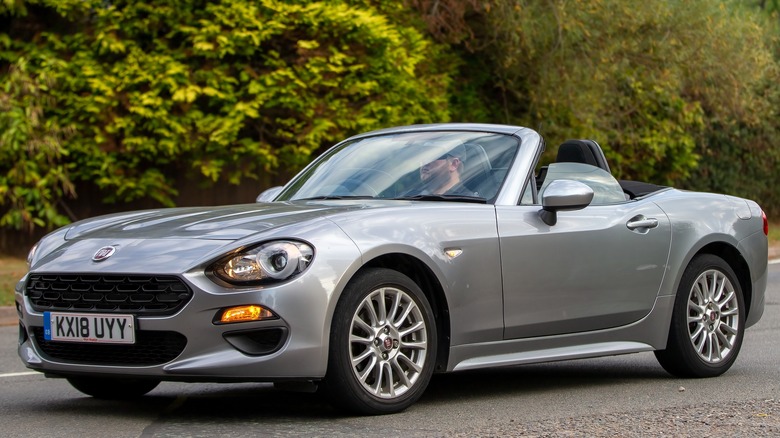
(293, 346)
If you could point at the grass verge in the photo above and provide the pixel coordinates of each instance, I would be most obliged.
(774, 234)
(12, 269)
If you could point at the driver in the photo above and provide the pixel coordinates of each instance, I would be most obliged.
(442, 175)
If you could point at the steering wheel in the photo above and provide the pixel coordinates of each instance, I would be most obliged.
(357, 187)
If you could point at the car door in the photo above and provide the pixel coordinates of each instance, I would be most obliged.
(596, 268)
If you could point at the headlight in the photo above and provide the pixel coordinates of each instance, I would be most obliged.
(271, 261)
(31, 255)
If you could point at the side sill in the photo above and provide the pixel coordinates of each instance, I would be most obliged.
(553, 354)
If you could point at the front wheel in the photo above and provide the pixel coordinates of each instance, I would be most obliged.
(382, 344)
(708, 320)
(113, 388)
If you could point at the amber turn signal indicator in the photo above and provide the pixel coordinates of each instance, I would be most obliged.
(245, 313)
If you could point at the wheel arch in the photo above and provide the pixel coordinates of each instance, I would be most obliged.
(424, 277)
(738, 264)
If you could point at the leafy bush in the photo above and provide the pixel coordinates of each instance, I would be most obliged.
(677, 92)
(123, 95)
(33, 176)
(127, 92)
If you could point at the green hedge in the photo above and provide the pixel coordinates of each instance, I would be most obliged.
(680, 92)
(118, 92)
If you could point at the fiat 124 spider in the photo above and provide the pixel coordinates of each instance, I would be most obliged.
(394, 255)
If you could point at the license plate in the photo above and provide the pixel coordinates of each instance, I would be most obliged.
(89, 327)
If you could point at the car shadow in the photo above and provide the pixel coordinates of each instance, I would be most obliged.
(193, 404)
(261, 400)
(534, 379)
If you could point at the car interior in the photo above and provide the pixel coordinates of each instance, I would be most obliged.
(589, 152)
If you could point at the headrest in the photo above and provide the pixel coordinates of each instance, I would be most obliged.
(576, 151)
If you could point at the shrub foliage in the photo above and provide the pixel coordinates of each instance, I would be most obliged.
(677, 92)
(122, 94)
(119, 93)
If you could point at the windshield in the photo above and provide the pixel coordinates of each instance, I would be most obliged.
(452, 166)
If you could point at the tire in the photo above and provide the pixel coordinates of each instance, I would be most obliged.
(113, 388)
(382, 344)
(708, 320)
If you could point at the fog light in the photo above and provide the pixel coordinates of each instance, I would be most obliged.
(245, 313)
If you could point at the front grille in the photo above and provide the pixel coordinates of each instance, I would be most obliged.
(150, 348)
(136, 294)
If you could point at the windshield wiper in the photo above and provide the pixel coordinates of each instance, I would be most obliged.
(457, 198)
(331, 197)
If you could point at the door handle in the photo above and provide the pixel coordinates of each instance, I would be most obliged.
(642, 222)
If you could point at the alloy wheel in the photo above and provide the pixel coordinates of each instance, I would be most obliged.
(713, 316)
(388, 342)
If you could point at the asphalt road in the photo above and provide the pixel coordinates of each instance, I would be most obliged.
(617, 396)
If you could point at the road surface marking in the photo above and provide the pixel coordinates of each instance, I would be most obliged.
(25, 373)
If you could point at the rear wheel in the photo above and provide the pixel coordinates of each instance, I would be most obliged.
(113, 388)
(382, 344)
(708, 320)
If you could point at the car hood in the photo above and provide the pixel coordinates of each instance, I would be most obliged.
(172, 240)
(212, 223)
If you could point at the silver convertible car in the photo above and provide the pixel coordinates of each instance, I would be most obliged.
(394, 255)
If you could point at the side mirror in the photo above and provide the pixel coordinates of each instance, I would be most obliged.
(563, 194)
(268, 195)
